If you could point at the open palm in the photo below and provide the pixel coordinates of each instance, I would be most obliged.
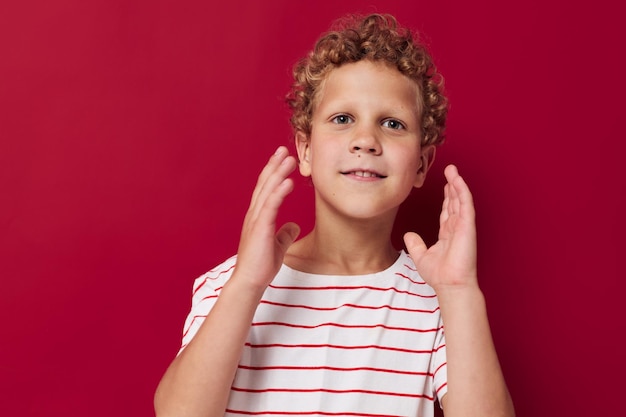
(452, 260)
(262, 247)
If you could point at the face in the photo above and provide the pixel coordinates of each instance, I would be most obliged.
(364, 154)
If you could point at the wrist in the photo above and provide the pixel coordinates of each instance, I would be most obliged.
(244, 289)
(458, 291)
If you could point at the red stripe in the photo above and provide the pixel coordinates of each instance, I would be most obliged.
(305, 413)
(348, 305)
(190, 324)
(212, 278)
(410, 268)
(331, 368)
(412, 280)
(332, 391)
(323, 346)
(344, 326)
(438, 368)
(442, 385)
(351, 288)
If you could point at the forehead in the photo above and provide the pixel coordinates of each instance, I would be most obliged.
(369, 82)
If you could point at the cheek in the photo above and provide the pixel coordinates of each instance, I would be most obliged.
(408, 157)
(321, 150)
(410, 168)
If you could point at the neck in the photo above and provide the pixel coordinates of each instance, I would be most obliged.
(346, 247)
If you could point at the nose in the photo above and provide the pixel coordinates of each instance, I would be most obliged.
(365, 140)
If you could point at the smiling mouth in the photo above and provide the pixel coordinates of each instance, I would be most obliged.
(364, 174)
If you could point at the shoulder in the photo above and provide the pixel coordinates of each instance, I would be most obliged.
(216, 277)
(406, 276)
(404, 266)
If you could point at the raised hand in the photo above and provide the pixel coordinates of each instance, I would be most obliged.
(451, 262)
(198, 381)
(262, 247)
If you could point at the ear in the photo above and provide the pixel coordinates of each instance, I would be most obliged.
(427, 157)
(303, 146)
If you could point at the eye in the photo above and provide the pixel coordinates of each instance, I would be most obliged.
(393, 124)
(342, 119)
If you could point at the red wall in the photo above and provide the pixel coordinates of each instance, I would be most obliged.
(131, 134)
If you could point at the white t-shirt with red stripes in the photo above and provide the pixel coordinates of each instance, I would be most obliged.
(324, 345)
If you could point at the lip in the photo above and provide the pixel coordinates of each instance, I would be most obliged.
(363, 174)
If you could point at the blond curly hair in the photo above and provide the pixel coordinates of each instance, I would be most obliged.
(376, 38)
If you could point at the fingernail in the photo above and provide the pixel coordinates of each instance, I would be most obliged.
(279, 150)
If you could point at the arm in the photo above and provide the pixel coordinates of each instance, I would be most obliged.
(198, 381)
(476, 386)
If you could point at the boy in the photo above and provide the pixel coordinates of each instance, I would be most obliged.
(339, 322)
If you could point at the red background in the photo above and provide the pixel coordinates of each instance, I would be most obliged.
(131, 134)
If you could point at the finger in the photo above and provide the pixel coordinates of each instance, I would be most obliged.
(286, 235)
(260, 221)
(444, 207)
(276, 184)
(268, 210)
(415, 245)
(451, 172)
(466, 201)
(272, 164)
(463, 202)
(275, 189)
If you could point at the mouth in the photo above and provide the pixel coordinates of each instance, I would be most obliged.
(364, 174)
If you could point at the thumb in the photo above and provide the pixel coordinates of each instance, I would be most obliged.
(415, 245)
(287, 234)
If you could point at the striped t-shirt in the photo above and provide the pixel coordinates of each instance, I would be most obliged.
(324, 345)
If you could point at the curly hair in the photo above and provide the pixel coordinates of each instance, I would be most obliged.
(376, 38)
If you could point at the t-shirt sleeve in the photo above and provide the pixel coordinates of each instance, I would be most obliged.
(206, 289)
(439, 365)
